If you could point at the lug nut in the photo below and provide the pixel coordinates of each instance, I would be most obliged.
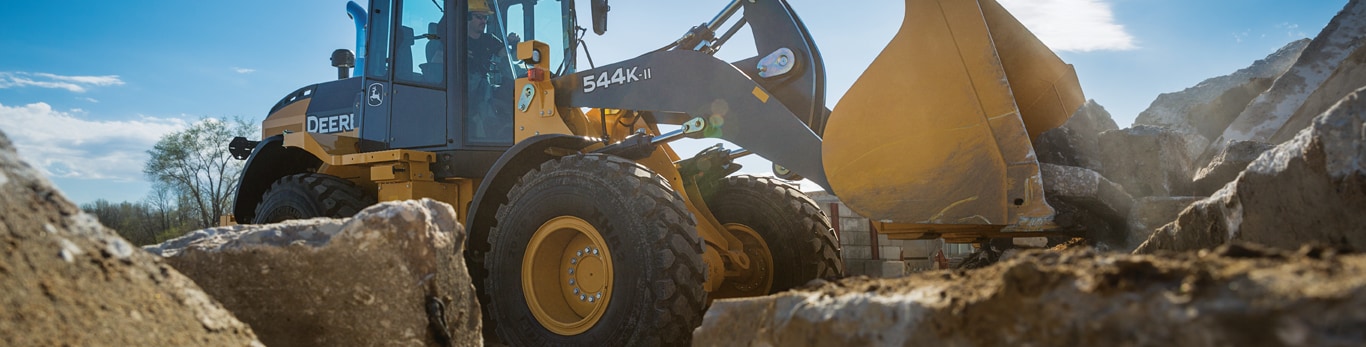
(571, 281)
(571, 271)
(583, 297)
(576, 290)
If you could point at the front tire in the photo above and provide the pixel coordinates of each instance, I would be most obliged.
(795, 231)
(594, 250)
(310, 195)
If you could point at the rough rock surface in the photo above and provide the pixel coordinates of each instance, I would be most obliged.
(1226, 166)
(1076, 143)
(1146, 160)
(1084, 200)
(369, 280)
(1311, 189)
(1235, 296)
(1271, 111)
(1208, 107)
(1350, 75)
(66, 280)
(1151, 213)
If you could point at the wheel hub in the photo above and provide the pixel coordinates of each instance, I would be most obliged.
(567, 275)
(758, 278)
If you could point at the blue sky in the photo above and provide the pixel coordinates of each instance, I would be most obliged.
(87, 87)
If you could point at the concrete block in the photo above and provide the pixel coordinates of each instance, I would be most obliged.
(889, 252)
(856, 267)
(855, 238)
(856, 252)
(892, 269)
(853, 224)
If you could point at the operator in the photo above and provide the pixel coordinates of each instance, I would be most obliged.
(489, 120)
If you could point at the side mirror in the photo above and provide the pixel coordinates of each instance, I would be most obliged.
(600, 9)
(343, 60)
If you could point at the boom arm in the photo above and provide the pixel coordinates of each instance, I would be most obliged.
(776, 111)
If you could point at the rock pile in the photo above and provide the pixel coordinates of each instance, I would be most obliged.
(1198, 142)
(66, 280)
(1272, 112)
(1233, 296)
(393, 274)
(1311, 189)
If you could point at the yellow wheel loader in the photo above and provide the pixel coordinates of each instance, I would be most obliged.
(585, 226)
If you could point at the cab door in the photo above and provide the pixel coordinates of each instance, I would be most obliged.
(404, 100)
(418, 112)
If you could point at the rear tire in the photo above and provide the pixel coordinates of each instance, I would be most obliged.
(310, 195)
(639, 234)
(798, 234)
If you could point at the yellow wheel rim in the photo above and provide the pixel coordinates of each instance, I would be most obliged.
(758, 279)
(567, 275)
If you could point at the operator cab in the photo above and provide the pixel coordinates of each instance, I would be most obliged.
(439, 75)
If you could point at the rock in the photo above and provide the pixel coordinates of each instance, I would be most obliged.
(1311, 189)
(1235, 296)
(1075, 143)
(1146, 160)
(1350, 75)
(362, 281)
(1208, 107)
(1226, 166)
(66, 280)
(1151, 213)
(1271, 110)
(1084, 200)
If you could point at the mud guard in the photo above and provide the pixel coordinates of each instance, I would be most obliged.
(269, 161)
(516, 161)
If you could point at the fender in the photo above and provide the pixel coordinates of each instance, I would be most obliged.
(269, 161)
(515, 162)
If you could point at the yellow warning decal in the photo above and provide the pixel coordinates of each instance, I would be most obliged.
(759, 93)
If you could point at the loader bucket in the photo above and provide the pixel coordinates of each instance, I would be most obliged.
(937, 133)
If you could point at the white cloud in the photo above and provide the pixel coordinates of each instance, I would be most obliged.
(1072, 25)
(242, 70)
(75, 84)
(60, 144)
(1292, 30)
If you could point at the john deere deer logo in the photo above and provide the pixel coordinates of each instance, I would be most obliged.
(375, 96)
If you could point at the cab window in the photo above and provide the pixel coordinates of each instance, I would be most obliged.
(420, 51)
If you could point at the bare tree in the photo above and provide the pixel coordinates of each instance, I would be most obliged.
(195, 163)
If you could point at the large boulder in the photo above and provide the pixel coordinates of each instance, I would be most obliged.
(1083, 200)
(1151, 213)
(1350, 75)
(1226, 166)
(393, 274)
(1271, 110)
(1076, 142)
(66, 280)
(1235, 296)
(1146, 160)
(1208, 107)
(1311, 189)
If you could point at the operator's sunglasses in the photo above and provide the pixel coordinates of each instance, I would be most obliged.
(479, 16)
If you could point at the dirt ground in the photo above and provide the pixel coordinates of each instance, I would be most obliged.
(1234, 295)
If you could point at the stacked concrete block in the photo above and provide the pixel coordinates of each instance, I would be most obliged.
(857, 243)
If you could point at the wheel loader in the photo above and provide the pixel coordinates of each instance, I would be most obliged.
(585, 226)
